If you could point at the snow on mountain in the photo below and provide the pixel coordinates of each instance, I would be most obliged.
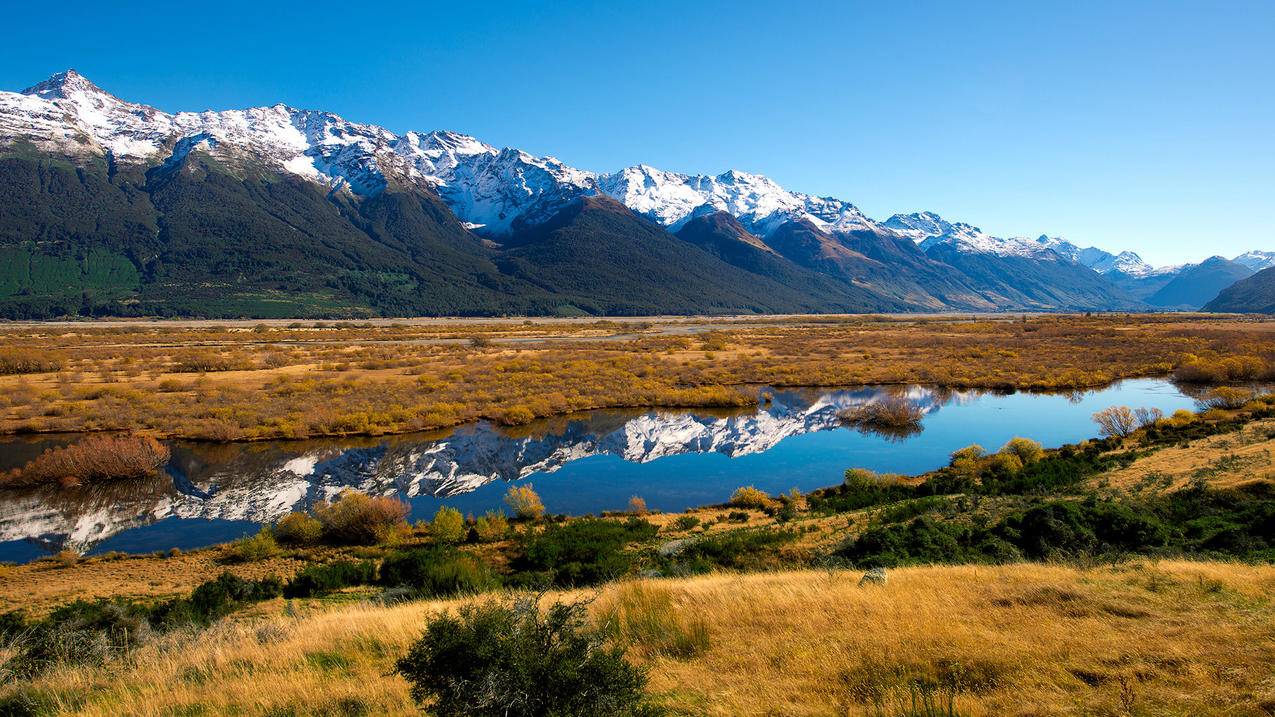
(495, 189)
(929, 229)
(758, 202)
(1256, 259)
(492, 190)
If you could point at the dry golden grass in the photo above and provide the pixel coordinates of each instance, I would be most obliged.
(1173, 638)
(277, 380)
(1224, 461)
(40, 586)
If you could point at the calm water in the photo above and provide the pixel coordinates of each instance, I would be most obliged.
(579, 464)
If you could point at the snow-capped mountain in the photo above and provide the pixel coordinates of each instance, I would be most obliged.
(416, 199)
(486, 187)
(1256, 259)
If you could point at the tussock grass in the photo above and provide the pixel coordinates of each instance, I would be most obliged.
(1166, 638)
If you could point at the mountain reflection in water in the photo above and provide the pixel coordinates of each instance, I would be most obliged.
(214, 492)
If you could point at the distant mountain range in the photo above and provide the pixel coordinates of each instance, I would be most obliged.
(110, 207)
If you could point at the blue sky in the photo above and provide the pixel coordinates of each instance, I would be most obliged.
(1148, 126)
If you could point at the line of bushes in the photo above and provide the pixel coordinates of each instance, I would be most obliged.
(1195, 521)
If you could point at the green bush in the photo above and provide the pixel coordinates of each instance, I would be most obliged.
(321, 579)
(254, 548)
(214, 599)
(448, 525)
(298, 529)
(685, 522)
(437, 572)
(491, 527)
(581, 552)
(860, 489)
(733, 550)
(495, 660)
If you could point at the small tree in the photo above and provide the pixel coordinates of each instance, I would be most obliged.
(1147, 416)
(1116, 421)
(448, 525)
(637, 506)
(524, 502)
(496, 660)
(965, 460)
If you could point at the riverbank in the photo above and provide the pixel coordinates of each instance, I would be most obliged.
(239, 381)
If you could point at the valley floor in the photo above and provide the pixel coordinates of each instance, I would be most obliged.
(260, 380)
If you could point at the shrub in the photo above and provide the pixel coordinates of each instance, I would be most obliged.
(892, 417)
(496, 660)
(491, 527)
(524, 502)
(448, 525)
(298, 529)
(254, 548)
(685, 522)
(1008, 463)
(321, 579)
(20, 361)
(1226, 398)
(965, 460)
(81, 632)
(581, 552)
(750, 497)
(212, 600)
(98, 457)
(1116, 421)
(861, 488)
(1027, 450)
(637, 506)
(734, 550)
(437, 572)
(357, 519)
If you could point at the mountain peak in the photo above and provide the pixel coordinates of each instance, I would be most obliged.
(64, 85)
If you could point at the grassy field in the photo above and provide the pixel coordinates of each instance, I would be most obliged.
(1144, 638)
(1125, 577)
(244, 381)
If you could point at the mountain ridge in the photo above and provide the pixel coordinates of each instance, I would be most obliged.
(455, 186)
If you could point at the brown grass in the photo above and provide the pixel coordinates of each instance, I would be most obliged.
(1145, 638)
(230, 380)
(98, 457)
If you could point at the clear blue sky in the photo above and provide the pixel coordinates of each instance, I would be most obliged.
(1142, 125)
